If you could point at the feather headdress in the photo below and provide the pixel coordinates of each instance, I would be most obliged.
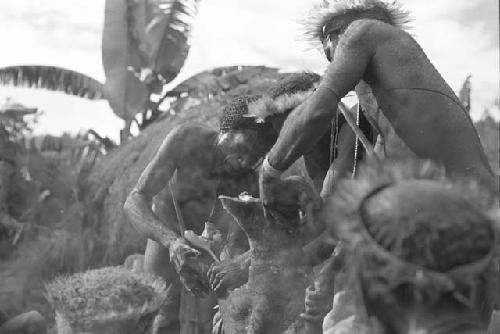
(407, 223)
(322, 15)
(286, 95)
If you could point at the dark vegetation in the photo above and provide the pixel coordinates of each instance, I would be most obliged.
(68, 192)
(70, 211)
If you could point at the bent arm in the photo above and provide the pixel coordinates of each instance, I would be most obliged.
(309, 122)
(157, 174)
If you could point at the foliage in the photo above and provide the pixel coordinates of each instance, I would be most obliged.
(51, 236)
(52, 78)
(145, 44)
(14, 123)
(80, 224)
(464, 93)
(105, 295)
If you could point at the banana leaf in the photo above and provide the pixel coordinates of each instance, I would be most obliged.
(464, 94)
(143, 36)
(168, 34)
(122, 56)
(52, 78)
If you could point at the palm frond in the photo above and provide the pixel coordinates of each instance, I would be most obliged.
(52, 78)
(168, 33)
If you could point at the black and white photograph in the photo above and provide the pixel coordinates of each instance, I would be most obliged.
(249, 167)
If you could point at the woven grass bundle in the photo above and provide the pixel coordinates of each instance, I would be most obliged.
(107, 300)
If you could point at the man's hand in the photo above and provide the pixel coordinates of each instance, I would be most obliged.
(279, 198)
(282, 199)
(268, 186)
(185, 261)
(319, 297)
(227, 275)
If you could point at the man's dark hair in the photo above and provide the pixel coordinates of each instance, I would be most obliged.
(233, 113)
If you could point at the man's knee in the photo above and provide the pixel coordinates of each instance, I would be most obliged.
(167, 320)
(135, 262)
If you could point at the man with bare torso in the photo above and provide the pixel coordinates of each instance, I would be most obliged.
(193, 166)
(366, 44)
(401, 92)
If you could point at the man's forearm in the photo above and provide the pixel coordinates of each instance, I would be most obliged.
(138, 210)
(303, 128)
(244, 259)
(319, 249)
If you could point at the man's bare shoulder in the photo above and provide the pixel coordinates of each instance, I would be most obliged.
(186, 138)
(188, 142)
(189, 135)
(371, 32)
(194, 130)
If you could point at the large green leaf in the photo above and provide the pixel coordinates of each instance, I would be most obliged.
(464, 94)
(52, 78)
(122, 56)
(168, 34)
(143, 36)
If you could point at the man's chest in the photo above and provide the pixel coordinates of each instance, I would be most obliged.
(193, 185)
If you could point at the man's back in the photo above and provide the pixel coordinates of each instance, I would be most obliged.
(416, 100)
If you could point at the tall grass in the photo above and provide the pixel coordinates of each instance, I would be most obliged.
(54, 237)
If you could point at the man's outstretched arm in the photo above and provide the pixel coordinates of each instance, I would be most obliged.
(309, 122)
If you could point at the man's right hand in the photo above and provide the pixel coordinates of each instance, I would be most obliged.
(185, 258)
(227, 275)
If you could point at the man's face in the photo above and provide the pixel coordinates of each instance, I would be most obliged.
(329, 45)
(242, 149)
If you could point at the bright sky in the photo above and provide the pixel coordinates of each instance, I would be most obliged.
(459, 37)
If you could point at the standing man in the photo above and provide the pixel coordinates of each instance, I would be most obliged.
(192, 167)
(366, 43)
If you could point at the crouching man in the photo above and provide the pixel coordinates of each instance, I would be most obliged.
(180, 186)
